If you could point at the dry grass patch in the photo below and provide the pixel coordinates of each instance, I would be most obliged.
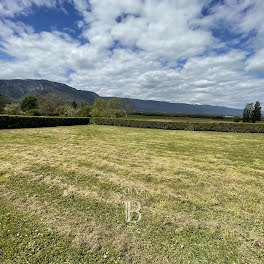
(201, 192)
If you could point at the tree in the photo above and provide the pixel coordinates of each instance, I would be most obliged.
(4, 100)
(256, 113)
(118, 113)
(74, 104)
(84, 111)
(12, 109)
(65, 110)
(127, 105)
(99, 108)
(113, 105)
(236, 118)
(247, 113)
(28, 103)
(49, 103)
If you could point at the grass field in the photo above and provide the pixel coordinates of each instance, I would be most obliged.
(63, 192)
(171, 118)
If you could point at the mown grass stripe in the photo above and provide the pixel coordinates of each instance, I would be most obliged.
(205, 187)
(24, 240)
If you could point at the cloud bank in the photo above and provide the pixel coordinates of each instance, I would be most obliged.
(192, 51)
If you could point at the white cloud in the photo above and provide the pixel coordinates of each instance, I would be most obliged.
(213, 79)
(163, 28)
(9, 8)
(153, 36)
(256, 62)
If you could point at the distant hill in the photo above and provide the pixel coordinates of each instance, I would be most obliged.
(18, 89)
(171, 108)
(150, 106)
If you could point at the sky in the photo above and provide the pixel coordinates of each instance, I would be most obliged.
(186, 51)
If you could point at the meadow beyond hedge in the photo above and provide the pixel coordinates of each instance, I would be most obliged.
(184, 125)
(40, 121)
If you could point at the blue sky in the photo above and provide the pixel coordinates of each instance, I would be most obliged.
(192, 51)
(51, 19)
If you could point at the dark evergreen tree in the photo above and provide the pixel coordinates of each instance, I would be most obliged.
(74, 104)
(247, 113)
(256, 113)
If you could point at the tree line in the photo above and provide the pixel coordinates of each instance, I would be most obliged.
(252, 113)
(52, 105)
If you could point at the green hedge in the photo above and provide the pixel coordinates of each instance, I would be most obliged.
(180, 115)
(184, 125)
(40, 121)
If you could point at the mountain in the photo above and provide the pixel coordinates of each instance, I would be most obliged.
(18, 89)
(150, 106)
(172, 108)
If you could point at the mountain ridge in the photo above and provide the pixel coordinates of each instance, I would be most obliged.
(19, 88)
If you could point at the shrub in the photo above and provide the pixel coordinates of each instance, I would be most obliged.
(181, 115)
(12, 109)
(236, 118)
(49, 103)
(99, 108)
(183, 125)
(33, 112)
(71, 112)
(74, 105)
(118, 113)
(65, 110)
(28, 103)
(36, 121)
(218, 117)
(4, 100)
(97, 113)
(84, 111)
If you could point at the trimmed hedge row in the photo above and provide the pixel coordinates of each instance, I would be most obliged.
(40, 121)
(181, 115)
(184, 125)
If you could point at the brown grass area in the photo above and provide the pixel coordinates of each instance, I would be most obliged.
(209, 182)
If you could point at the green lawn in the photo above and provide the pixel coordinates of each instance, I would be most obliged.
(63, 192)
